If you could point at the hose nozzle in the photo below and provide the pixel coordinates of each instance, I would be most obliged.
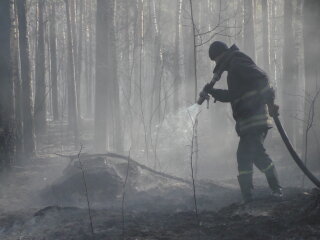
(204, 94)
(202, 97)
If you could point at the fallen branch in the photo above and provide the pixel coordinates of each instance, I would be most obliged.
(127, 158)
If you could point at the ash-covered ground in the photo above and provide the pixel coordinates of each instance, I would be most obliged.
(47, 198)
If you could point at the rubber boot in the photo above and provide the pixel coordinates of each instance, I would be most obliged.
(246, 186)
(273, 181)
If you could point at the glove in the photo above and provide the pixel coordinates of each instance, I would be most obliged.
(273, 110)
(204, 95)
(269, 96)
(208, 89)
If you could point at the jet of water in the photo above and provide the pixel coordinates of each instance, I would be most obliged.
(178, 125)
(193, 111)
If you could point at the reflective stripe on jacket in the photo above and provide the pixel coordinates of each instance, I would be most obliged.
(261, 120)
(250, 112)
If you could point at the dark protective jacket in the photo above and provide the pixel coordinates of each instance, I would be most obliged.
(248, 91)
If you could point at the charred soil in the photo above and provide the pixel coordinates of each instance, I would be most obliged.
(296, 217)
(44, 199)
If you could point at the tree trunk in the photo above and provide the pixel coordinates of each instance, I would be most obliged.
(117, 125)
(188, 61)
(73, 4)
(54, 70)
(17, 82)
(40, 89)
(177, 55)
(156, 86)
(79, 56)
(72, 97)
(248, 29)
(265, 37)
(27, 105)
(273, 44)
(6, 90)
(138, 44)
(102, 68)
(290, 72)
(89, 61)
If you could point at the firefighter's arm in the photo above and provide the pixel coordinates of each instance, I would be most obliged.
(221, 95)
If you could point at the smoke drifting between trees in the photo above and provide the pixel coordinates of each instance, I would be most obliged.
(121, 68)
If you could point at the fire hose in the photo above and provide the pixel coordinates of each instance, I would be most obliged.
(204, 96)
(293, 152)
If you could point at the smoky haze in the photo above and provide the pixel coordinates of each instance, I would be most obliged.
(98, 100)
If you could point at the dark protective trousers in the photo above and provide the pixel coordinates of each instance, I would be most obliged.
(251, 151)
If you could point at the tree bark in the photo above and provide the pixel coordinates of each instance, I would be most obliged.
(273, 44)
(188, 61)
(177, 57)
(72, 97)
(79, 56)
(156, 86)
(248, 29)
(53, 55)
(40, 88)
(115, 101)
(6, 90)
(16, 82)
(102, 67)
(27, 103)
(89, 61)
(290, 72)
(265, 37)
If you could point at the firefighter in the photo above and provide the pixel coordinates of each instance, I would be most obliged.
(251, 99)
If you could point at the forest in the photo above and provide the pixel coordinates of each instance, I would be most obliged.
(101, 136)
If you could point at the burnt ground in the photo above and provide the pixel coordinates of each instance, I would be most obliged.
(44, 198)
(297, 217)
(161, 211)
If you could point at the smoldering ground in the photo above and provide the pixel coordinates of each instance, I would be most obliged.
(46, 198)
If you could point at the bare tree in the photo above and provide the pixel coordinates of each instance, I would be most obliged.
(114, 86)
(265, 37)
(157, 54)
(27, 103)
(53, 55)
(15, 75)
(103, 22)
(177, 57)
(6, 90)
(188, 43)
(89, 52)
(290, 70)
(40, 89)
(72, 97)
(248, 29)
(79, 54)
(273, 43)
